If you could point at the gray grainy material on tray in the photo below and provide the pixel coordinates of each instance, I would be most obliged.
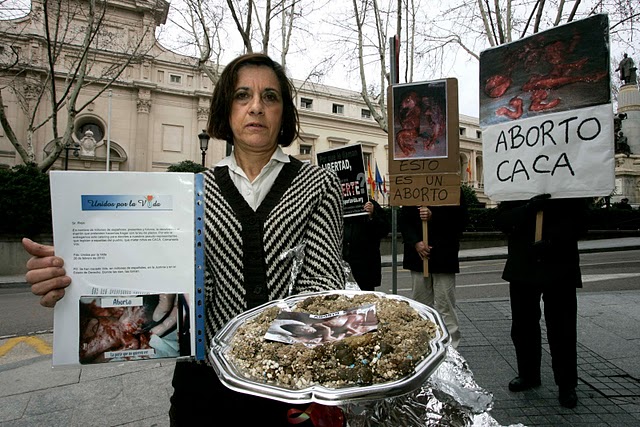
(408, 345)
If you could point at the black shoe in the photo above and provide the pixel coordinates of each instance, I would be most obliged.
(520, 384)
(567, 397)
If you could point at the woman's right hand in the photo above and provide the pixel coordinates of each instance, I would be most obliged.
(45, 274)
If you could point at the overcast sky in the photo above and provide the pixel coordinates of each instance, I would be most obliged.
(322, 40)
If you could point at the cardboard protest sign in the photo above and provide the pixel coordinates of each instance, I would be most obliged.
(546, 114)
(424, 168)
(347, 162)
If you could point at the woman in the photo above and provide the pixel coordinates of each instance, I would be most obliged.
(259, 203)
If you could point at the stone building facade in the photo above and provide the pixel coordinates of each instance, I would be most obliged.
(151, 116)
(628, 164)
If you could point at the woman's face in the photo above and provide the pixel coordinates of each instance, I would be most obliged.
(256, 109)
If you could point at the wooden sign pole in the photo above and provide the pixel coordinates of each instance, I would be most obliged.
(538, 226)
(425, 239)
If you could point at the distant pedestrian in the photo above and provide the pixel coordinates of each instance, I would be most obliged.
(547, 269)
(623, 204)
(445, 225)
(361, 244)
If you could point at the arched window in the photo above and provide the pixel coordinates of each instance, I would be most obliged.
(89, 123)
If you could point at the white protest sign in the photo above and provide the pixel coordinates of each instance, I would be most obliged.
(546, 114)
(567, 154)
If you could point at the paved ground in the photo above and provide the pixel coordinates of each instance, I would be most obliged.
(608, 363)
(33, 394)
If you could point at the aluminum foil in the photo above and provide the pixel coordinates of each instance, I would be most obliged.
(297, 254)
(449, 397)
(350, 283)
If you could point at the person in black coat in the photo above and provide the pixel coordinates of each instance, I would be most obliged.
(361, 244)
(547, 269)
(445, 227)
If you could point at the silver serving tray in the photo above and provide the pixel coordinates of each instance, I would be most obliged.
(235, 380)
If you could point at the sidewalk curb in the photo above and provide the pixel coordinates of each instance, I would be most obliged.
(386, 262)
(16, 281)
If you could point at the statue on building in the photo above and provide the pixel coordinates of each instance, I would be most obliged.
(622, 144)
(88, 145)
(627, 70)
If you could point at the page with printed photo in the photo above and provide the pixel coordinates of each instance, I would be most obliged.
(292, 327)
(128, 242)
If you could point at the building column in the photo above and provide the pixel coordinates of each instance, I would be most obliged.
(144, 143)
(474, 169)
(629, 103)
(628, 167)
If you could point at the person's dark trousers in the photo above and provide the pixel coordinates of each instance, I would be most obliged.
(200, 399)
(560, 311)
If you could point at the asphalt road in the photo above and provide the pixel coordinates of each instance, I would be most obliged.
(604, 271)
(21, 314)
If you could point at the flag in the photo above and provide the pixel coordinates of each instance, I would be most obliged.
(370, 181)
(379, 181)
(469, 169)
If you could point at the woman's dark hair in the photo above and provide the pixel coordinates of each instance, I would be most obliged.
(220, 111)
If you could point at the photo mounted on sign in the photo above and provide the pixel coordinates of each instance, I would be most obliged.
(420, 120)
(347, 162)
(561, 69)
(133, 327)
(546, 114)
(427, 172)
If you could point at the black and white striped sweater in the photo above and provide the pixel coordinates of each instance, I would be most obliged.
(243, 268)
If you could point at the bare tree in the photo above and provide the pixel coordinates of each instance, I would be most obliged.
(253, 21)
(372, 32)
(257, 24)
(265, 28)
(242, 16)
(299, 36)
(64, 38)
(371, 27)
(286, 29)
(411, 16)
(198, 28)
(475, 25)
(202, 26)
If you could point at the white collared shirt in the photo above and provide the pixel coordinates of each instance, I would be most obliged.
(255, 192)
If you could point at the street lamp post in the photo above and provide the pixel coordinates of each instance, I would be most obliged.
(204, 143)
(76, 153)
